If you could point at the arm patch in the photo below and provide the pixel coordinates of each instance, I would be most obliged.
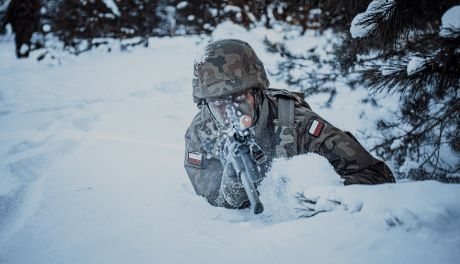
(194, 158)
(316, 128)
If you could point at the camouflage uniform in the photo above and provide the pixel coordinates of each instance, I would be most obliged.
(286, 126)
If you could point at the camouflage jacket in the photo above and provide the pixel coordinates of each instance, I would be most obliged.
(286, 127)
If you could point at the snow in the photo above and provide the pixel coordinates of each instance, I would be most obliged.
(4, 5)
(450, 21)
(46, 28)
(386, 70)
(409, 165)
(231, 8)
(182, 5)
(358, 27)
(416, 64)
(91, 172)
(288, 177)
(24, 48)
(201, 55)
(112, 6)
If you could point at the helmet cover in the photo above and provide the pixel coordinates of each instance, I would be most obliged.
(226, 67)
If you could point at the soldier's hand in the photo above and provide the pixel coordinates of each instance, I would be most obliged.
(313, 205)
(232, 190)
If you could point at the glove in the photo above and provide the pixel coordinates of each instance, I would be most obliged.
(232, 193)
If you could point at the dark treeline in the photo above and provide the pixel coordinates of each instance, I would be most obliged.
(404, 49)
(77, 22)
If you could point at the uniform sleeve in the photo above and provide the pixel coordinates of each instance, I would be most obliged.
(204, 173)
(351, 161)
(205, 169)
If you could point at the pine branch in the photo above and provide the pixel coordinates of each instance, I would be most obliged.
(401, 19)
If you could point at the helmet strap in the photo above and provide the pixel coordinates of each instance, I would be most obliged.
(258, 101)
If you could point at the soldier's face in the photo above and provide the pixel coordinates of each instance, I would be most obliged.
(227, 110)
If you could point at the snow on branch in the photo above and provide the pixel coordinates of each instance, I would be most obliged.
(451, 23)
(4, 5)
(112, 6)
(416, 64)
(366, 22)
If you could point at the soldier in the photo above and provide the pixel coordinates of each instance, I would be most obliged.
(24, 16)
(283, 123)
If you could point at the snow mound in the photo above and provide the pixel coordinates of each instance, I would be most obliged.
(289, 177)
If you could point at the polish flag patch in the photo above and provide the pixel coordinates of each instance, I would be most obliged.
(194, 158)
(315, 128)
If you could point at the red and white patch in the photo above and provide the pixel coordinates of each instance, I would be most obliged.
(316, 128)
(194, 158)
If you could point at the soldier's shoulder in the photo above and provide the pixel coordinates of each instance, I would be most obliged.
(195, 124)
(302, 110)
(197, 119)
(202, 135)
(296, 97)
(201, 122)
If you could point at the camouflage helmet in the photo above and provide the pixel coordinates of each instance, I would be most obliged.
(225, 67)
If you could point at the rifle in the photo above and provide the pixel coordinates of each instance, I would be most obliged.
(245, 156)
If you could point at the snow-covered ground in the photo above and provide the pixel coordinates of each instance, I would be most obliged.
(91, 172)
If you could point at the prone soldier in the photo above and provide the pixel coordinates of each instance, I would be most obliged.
(229, 73)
